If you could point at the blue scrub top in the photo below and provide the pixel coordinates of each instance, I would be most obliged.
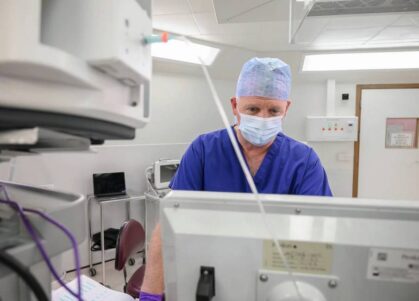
(289, 167)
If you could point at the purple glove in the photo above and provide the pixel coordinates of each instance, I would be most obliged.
(150, 297)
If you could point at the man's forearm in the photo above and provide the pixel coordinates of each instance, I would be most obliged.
(153, 279)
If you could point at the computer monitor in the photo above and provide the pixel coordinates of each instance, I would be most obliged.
(164, 170)
(339, 248)
(109, 184)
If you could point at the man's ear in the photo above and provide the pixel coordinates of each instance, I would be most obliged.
(233, 102)
(287, 108)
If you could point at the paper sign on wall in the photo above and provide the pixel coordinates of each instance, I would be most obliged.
(401, 132)
(402, 140)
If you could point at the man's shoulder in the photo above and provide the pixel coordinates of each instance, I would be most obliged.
(294, 144)
(212, 137)
(296, 150)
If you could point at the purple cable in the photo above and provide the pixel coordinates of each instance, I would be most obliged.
(41, 249)
(73, 243)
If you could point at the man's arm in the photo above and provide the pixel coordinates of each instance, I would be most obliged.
(153, 279)
(314, 180)
(189, 175)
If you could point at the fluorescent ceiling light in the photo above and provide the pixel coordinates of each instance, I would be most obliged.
(362, 61)
(185, 52)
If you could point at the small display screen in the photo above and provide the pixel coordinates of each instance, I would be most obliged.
(167, 172)
(109, 183)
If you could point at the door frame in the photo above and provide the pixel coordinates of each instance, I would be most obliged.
(358, 108)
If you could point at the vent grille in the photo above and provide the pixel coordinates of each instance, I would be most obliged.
(355, 7)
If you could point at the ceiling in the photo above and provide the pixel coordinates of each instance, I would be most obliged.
(175, 16)
(263, 25)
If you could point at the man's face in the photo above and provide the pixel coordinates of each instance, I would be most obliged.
(259, 106)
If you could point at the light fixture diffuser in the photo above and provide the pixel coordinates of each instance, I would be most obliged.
(185, 52)
(361, 61)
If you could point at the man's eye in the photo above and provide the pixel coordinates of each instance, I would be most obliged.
(253, 110)
(274, 112)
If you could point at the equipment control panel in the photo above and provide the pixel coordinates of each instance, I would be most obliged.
(332, 128)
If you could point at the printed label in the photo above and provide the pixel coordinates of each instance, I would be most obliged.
(402, 139)
(393, 265)
(302, 257)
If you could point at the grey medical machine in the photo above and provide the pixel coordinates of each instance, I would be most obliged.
(72, 74)
(339, 249)
(67, 208)
(158, 177)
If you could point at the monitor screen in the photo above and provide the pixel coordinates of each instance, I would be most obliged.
(164, 171)
(167, 172)
(109, 183)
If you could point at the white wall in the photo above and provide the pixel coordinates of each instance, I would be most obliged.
(182, 108)
(309, 98)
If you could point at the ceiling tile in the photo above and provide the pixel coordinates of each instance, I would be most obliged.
(398, 34)
(253, 11)
(181, 24)
(344, 37)
(165, 7)
(242, 11)
(365, 21)
(170, 7)
(254, 42)
(225, 9)
(310, 30)
(202, 6)
(407, 20)
(208, 25)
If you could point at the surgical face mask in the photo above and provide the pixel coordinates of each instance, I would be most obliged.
(260, 131)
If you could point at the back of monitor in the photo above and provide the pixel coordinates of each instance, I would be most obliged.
(338, 249)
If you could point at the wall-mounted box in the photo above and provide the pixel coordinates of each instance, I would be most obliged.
(332, 128)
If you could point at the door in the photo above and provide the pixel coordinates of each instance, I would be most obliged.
(384, 172)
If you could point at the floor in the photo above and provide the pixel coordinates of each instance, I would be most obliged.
(114, 278)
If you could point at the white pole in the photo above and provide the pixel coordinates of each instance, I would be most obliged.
(330, 102)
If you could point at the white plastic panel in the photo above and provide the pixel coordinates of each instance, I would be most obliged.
(331, 128)
(226, 231)
(51, 53)
(106, 34)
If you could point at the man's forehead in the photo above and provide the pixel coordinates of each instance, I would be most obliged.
(256, 100)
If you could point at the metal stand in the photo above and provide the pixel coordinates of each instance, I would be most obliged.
(102, 202)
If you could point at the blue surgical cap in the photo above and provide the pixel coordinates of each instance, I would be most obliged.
(265, 77)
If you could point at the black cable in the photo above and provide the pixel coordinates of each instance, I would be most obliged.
(24, 273)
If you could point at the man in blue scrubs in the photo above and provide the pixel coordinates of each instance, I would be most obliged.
(279, 164)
